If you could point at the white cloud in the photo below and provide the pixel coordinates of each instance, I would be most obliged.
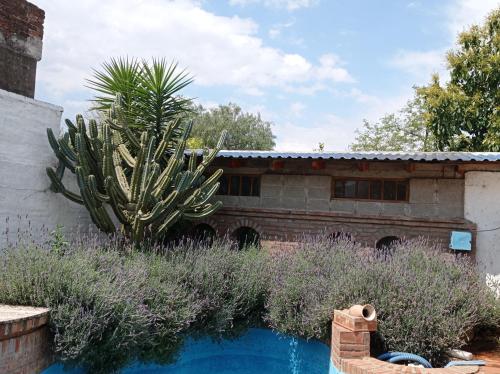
(420, 64)
(276, 29)
(217, 50)
(335, 132)
(329, 69)
(462, 14)
(459, 16)
(297, 108)
(287, 4)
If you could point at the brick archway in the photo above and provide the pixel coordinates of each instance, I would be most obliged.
(212, 223)
(244, 222)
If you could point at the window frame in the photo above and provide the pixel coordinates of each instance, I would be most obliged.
(370, 180)
(252, 178)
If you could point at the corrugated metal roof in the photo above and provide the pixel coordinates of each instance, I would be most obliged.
(371, 156)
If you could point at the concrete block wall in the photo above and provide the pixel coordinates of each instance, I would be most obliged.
(482, 206)
(26, 201)
(429, 197)
(297, 200)
(21, 34)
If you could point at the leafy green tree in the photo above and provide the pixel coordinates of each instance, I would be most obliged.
(464, 113)
(245, 130)
(402, 131)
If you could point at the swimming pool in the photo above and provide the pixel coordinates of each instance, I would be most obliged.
(257, 351)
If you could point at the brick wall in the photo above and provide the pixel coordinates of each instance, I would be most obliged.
(24, 340)
(21, 34)
(350, 350)
(297, 200)
(291, 225)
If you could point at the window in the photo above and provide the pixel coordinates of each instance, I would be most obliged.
(371, 189)
(239, 185)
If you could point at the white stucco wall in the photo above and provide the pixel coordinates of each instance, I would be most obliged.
(25, 197)
(482, 206)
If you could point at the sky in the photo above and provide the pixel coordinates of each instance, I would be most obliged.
(314, 68)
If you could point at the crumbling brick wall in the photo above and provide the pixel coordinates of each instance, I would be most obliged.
(21, 34)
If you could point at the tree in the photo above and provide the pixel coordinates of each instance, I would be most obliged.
(245, 130)
(133, 160)
(402, 131)
(464, 114)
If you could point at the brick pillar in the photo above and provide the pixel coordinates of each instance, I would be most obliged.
(25, 342)
(21, 34)
(350, 337)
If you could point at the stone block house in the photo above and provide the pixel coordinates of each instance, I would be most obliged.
(374, 198)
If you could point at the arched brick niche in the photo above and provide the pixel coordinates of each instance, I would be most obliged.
(24, 339)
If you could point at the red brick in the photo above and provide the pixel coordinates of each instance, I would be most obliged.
(342, 335)
(356, 324)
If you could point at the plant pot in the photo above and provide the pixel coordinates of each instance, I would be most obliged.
(367, 312)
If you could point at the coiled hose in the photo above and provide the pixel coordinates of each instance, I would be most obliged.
(466, 363)
(393, 357)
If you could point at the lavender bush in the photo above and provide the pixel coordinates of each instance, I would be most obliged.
(427, 301)
(112, 302)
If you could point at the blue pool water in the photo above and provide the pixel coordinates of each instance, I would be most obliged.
(259, 351)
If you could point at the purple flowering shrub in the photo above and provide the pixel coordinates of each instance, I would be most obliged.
(427, 301)
(112, 303)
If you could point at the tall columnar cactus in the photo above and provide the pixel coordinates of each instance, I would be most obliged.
(149, 183)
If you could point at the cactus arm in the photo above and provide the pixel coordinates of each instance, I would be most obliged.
(206, 196)
(60, 171)
(174, 165)
(166, 176)
(97, 212)
(135, 182)
(192, 162)
(207, 211)
(72, 130)
(57, 186)
(95, 192)
(167, 134)
(118, 195)
(145, 197)
(54, 144)
(117, 202)
(126, 132)
(107, 165)
(65, 147)
(209, 157)
(159, 208)
(212, 179)
(95, 143)
(122, 182)
(125, 155)
(171, 219)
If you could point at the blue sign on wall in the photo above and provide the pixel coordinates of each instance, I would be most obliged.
(461, 240)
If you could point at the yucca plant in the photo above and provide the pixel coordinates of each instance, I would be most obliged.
(150, 93)
(134, 159)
